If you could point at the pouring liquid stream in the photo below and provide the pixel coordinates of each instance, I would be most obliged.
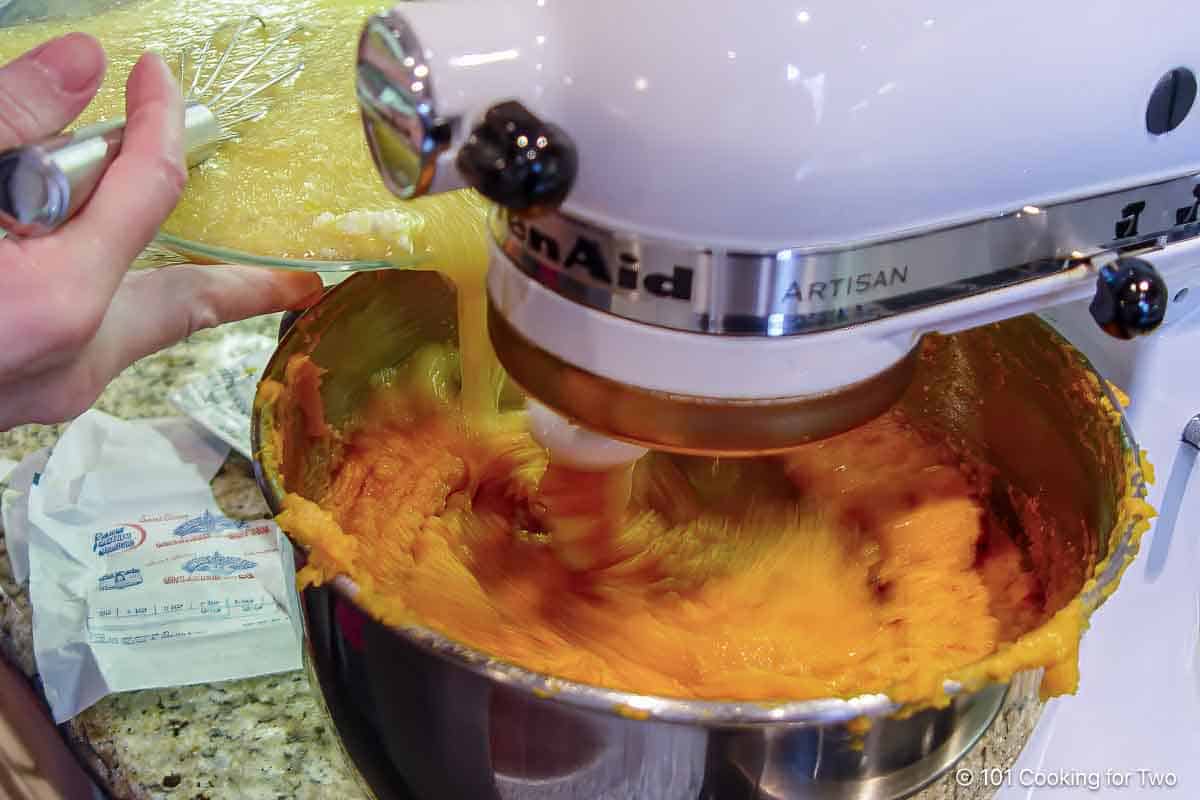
(583, 509)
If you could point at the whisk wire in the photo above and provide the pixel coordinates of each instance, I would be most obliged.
(229, 49)
(270, 48)
(249, 116)
(294, 70)
(222, 104)
(201, 59)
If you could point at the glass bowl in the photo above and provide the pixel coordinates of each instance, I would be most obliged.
(167, 248)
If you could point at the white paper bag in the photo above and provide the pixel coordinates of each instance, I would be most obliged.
(14, 510)
(223, 400)
(195, 447)
(138, 581)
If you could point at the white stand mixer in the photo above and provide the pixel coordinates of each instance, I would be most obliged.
(742, 221)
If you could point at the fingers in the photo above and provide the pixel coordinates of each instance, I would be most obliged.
(139, 190)
(69, 278)
(43, 90)
(154, 309)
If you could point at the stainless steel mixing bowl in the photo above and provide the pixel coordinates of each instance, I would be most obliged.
(427, 717)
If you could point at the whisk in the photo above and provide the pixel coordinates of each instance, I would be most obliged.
(42, 185)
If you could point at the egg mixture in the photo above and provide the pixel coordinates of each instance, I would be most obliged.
(298, 183)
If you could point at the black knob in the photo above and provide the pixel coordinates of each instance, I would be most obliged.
(519, 161)
(1131, 298)
(1171, 101)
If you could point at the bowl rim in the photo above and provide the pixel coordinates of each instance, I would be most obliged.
(729, 714)
(189, 248)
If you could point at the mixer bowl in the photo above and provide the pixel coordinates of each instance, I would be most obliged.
(425, 716)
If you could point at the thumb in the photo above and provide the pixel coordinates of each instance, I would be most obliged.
(43, 90)
(154, 309)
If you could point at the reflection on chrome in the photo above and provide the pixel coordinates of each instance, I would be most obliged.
(480, 59)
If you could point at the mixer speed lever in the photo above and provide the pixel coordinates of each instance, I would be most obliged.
(1191, 432)
(1131, 298)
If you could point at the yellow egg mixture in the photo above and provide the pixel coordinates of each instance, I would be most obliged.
(863, 563)
(300, 182)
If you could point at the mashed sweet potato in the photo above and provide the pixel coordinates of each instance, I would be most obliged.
(863, 563)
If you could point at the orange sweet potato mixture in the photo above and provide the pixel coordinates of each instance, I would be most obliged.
(862, 563)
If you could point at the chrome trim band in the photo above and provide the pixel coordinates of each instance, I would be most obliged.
(795, 291)
(679, 423)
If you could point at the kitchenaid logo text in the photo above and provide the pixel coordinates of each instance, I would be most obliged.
(584, 256)
(838, 288)
(1131, 215)
(587, 259)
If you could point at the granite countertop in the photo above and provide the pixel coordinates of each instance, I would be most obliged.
(268, 737)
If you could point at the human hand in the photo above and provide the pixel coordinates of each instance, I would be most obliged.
(71, 316)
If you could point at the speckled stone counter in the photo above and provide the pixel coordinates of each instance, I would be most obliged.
(267, 737)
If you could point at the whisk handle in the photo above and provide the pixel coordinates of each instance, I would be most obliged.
(42, 185)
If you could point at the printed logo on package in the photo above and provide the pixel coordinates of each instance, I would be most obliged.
(207, 523)
(217, 564)
(121, 579)
(119, 539)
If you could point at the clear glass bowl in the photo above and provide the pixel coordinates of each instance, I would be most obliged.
(168, 248)
(198, 252)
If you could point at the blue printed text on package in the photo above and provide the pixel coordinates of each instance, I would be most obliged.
(118, 539)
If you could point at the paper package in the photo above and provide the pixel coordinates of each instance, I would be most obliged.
(136, 578)
(14, 510)
(222, 400)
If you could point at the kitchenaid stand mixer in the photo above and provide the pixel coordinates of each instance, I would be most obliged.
(726, 233)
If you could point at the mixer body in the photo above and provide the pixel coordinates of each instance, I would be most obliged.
(817, 127)
(701, 209)
(726, 232)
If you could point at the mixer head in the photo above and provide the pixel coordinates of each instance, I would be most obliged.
(728, 236)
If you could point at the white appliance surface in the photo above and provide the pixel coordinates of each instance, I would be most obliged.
(759, 130)
(1133, 729)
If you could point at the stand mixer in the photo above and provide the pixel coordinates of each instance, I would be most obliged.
(725, 233)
